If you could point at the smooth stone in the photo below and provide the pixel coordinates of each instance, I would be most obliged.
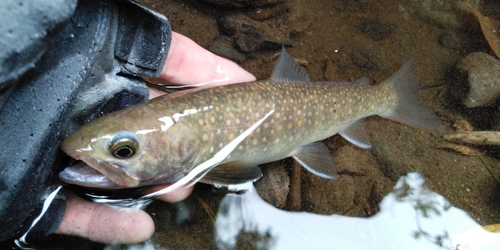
(483, 75)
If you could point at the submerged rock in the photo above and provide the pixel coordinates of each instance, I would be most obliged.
(446, 14)
(274, 185)
(223, 46)
(250, 35)
(299, 18)
(483, 76)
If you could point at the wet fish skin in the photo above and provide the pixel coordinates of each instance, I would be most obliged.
(177, 132)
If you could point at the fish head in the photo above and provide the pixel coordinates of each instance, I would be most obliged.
(121, 154)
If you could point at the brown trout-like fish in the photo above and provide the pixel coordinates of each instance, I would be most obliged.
(161, 140)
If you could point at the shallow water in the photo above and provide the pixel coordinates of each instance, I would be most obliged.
(346, 40)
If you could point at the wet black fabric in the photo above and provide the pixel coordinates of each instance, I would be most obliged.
(91, 67)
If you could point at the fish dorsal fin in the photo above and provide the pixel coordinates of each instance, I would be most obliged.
(316, 158)
(356, 134)
(231, 173)
(287, 70)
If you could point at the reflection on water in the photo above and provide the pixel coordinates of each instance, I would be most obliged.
(410, 217)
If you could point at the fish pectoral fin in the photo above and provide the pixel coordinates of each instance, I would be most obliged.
(287, 70)
(356, 134)
(316, 158)
(231, 173)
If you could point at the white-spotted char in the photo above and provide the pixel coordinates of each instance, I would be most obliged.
(163, 139)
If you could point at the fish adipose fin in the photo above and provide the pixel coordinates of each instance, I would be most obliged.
(287, 70)
(410, 109)
(363, 81)
(316, 158)
(231, 173)
(356, 134)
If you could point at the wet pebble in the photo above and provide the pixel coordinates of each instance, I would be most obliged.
(483, 76)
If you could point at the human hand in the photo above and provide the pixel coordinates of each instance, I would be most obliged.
(187, 63)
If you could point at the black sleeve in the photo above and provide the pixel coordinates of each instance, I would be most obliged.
(90, 67)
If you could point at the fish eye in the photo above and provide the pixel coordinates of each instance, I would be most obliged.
(123, 145)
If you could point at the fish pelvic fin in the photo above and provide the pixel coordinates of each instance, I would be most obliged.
(231, 173)
(316, 158)
(410, 109)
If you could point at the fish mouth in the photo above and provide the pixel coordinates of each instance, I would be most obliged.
(95, 173)
(82, 174)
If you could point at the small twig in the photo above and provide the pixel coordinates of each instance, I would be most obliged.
(295, 200)
(207, 209)
(474, 137)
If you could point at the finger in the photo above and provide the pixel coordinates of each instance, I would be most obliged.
(177, 195)
(104, 223)
(153, 92)
(188, 63)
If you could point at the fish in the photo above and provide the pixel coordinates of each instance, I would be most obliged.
(161, 140)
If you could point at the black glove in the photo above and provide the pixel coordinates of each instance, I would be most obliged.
(89, 65)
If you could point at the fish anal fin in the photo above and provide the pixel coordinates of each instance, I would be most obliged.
(287, 70)
(234, 172)
(356, 134)
(316, 158)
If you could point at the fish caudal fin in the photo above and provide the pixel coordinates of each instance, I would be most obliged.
(410, 109)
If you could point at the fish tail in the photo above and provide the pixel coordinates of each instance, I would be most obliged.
(410, 109)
